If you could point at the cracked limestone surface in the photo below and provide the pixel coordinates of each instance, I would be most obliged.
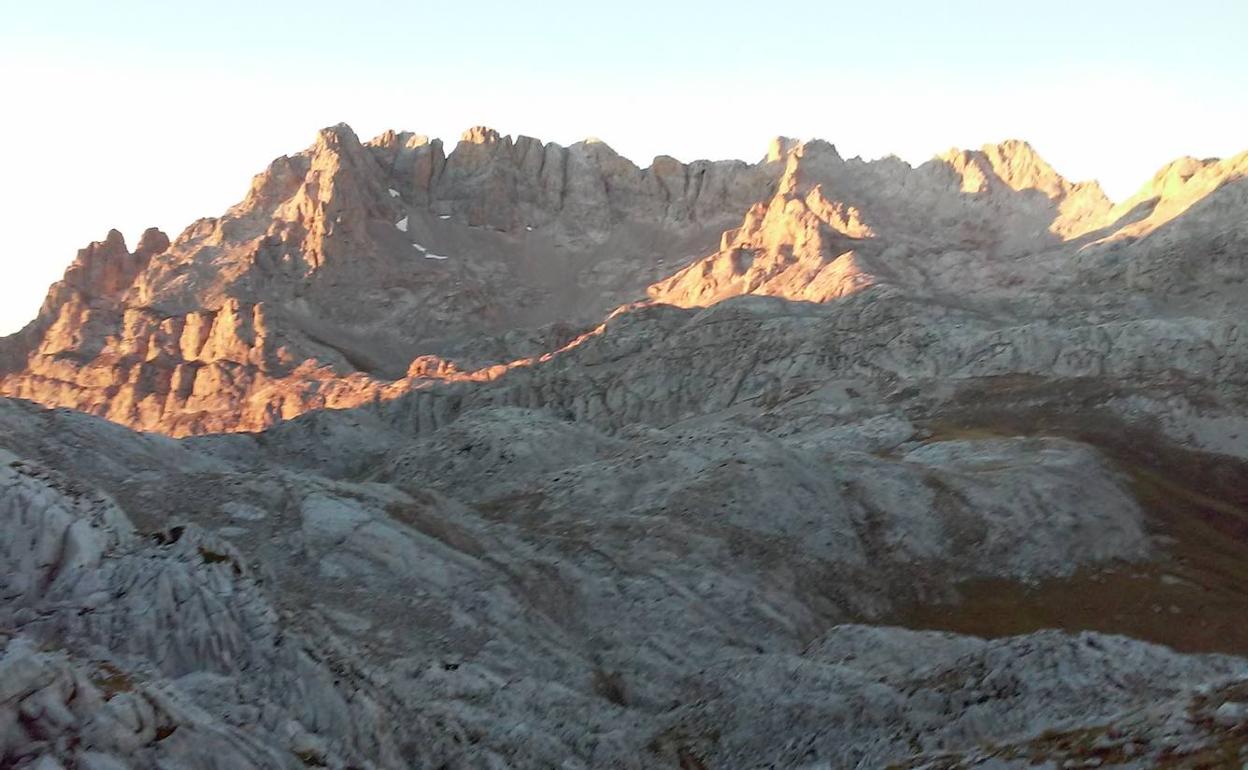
(806, 463)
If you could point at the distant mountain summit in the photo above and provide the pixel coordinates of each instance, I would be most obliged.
(349, 261)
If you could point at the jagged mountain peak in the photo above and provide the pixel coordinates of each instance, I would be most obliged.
(1012, 147)
(1187, 175)
(1216, 187)
(593, 141)
(153, 241)
(817, 148)
(1013, 162)
(391, 138)
(337, 134)
(113, 241)
(779, 148)
(348, 260)
(1021, 167)
(105, 269)
(482, 135)
(113, 246)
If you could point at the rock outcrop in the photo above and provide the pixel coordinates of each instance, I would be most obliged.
(514, 589)
(523, 456)
(504, 249)
(241, 321)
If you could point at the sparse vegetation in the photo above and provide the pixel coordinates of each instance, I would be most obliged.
(1193, 596)
(111, 680)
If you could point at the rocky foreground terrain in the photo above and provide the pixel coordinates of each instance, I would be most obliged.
(522, 456)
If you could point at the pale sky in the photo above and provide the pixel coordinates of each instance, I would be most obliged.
(130, 113)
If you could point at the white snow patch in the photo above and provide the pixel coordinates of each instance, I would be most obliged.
(394, 193)
(444, 216)
(528, 227)
(401, 225)
(418, 247)
(434, 256)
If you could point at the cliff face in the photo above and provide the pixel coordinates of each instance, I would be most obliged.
(560, 462)
(993, 225)
(836, 226)
(347, 262)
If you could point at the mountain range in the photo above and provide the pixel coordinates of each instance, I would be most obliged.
(520, 455)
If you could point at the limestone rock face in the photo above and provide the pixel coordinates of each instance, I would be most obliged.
(147, 667)
(1184, 235)
(835, 227)
(355, 591)
(520, 455)
(243, 319)
(504, 249)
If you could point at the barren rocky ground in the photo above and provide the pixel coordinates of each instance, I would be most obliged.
(523, 456)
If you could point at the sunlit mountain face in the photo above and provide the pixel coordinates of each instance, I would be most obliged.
(354, 272)
(511, 454)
